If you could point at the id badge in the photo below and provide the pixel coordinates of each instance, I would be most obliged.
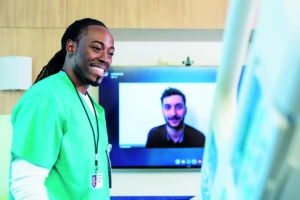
(97, 180)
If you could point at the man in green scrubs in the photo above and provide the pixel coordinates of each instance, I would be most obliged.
(60, 146)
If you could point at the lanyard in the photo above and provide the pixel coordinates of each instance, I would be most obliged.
(96, 142)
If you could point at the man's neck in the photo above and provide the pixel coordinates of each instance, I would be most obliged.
(82, 88)
(175, 134)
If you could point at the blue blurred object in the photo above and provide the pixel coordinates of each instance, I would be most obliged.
(254, 138)
(152, 198)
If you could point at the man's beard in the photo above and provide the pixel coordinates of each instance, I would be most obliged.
(93, 83)
(179, 126)
(80, 73)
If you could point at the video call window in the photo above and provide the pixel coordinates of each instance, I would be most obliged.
(140, 109)
(131, 98)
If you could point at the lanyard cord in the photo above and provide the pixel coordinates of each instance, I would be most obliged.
(96, 142)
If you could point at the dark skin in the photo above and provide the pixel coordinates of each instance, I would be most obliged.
(88, 59)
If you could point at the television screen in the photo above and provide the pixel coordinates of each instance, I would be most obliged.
(144, 112)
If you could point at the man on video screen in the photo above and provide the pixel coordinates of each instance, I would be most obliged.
(174, 133)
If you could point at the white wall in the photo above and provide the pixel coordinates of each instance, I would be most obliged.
(155, 182)
(132, 53)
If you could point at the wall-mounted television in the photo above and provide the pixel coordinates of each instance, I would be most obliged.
(131, 97)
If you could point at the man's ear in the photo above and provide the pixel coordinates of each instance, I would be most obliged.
(70, 47)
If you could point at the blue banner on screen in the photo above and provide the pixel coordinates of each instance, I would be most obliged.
(131, 97)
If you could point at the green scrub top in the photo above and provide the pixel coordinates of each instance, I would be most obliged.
(51, 130)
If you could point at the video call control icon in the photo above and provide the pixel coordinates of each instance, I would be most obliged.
(188, 161)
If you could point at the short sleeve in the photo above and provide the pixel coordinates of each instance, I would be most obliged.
(37, 131)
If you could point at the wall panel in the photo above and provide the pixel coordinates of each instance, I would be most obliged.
(187, 14)
(115, 14)
(154, 14)
(33, 13)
